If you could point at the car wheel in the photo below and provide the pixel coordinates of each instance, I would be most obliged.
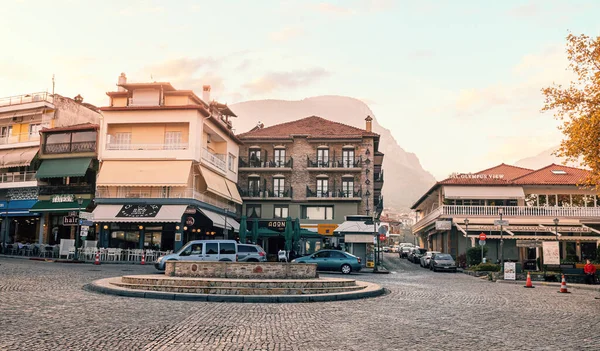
(346, 269)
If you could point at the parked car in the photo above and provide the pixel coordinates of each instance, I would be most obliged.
(202, 250)
(404, 251)
(416, 254)
(426, 258)
(394, 249)
(442, 262)
(332, 260)
(386, 249)
(251, 253)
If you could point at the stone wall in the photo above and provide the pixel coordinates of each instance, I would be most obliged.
(266, 270)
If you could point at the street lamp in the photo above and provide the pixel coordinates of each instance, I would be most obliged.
(466, 239)
(556, 233)
(501, 212)
(6, 225)
(79, 203)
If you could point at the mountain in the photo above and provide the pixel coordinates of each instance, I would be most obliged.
(543, 159)
(405, 179)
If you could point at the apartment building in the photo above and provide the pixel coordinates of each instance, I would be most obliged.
(539, 205)
(22, 117)
(313, 169)
(168, 168)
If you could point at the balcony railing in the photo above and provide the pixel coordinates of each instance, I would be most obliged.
(128, 146)
(251, 192)
(334, 193)
(65, 148)
(217, 160)
(64, 189)
(26, 98)
(378, 176)
(276, 162)
(287, 192)
(17, 177)
(331, 162)
(19, 138)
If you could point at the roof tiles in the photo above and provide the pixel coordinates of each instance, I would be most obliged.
(312, 127)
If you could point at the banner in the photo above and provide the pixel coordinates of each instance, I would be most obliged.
(510, 271)
(550, 252)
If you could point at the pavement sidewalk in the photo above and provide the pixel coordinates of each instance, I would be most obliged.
(569, 285)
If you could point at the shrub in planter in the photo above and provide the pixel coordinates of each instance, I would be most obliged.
(474, 255)
(487, 267)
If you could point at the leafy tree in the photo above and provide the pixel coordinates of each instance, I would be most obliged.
(578, 106)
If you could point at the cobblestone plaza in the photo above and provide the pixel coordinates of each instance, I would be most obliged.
(43, 306)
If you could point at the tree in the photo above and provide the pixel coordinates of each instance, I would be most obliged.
(578, 106)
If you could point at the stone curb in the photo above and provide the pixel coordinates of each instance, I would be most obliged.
(536, 283)
(103, 286)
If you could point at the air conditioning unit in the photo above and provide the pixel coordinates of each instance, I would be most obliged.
(17, 119)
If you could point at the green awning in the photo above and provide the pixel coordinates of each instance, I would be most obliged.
(64, 167)
(49, 206)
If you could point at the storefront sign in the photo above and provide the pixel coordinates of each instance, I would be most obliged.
(531, 228)
(62, 198)
(190, 221)
(443, 225)
(476, 176)
(551, 252)
(326, 229)
(529, 243)
(510, 271)
(140, 211)
(276, 225)
(190, 210)
(70, 220)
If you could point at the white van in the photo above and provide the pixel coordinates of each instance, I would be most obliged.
(202, 250)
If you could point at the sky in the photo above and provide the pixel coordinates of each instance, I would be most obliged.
(457, 82)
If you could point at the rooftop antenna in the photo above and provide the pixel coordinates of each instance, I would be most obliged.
(53, 84)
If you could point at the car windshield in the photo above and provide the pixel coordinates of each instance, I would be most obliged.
(443, 257)
(422, 251)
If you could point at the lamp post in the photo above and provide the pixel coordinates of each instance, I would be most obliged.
(466, 239)
(556, 233)
(501, 212)
(6, 225)
(79, 203)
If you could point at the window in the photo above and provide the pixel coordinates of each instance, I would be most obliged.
(231, 162)
(227, 248)
(34, 129)
(322, 187)
(317, 212)
(254, 187)
(543, 200)
(281, 211)
(551, 200)
(348, 158)
(5, 131)
(212, 248)
(278, 187)
(564, 200)
(324, 254)
(196, 249)
(253, 211)
(578, 200)
(247, 248)
(531, 200)
(347, 187)
(123, 141)
(279, 158)
(173, 141)
(254, 157)
(322, 157)
(336, 254)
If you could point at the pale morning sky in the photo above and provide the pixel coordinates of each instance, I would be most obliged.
(457, 82)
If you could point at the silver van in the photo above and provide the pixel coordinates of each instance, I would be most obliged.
(202, 250)
(251, 253)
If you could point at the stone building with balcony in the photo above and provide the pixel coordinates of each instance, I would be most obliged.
(539, 205)
(168, 168)
(22, 117)
(313, 169)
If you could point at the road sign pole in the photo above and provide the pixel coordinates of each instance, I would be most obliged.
(481, 253)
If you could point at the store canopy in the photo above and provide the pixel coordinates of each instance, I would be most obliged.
(64, 167)
(215, 183)
(354, 227)
(49, 206)
(139, 213)
(233, 191)
(17, 157)
(144, 173)
(219, 220)
(483, 192)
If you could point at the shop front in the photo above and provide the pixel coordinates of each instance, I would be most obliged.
(60, 217)
(18, 224)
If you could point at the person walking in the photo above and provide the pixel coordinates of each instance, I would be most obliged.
(590, 272)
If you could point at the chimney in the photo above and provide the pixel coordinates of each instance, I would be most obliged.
(122, 80)
(206, 93)
(369, 126)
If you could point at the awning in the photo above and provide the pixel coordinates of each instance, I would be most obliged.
(64, 167)
(354, 227)
(215, 183)
(359, 238)
(114, 213)
(17, 157)
(219, 220)
(483, 192)
(233, 190)
(49, 206)
(542, 237)
(144, 173)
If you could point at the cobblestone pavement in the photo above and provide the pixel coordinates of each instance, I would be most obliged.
(43, 306)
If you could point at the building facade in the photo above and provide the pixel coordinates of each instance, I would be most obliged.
(22, 118)
(537, 205)
(313, 169)
(168, 168)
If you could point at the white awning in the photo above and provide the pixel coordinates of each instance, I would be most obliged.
(219, 220)
(166, 214)
(483, 192)
(359, 238)
(354, 227)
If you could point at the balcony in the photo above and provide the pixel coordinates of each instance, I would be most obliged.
(216, 160)
(65, 189)
(66, 148)
(339, 164)
(277, 163)
(378, 176)
(286, 193)
(19, 138)
(129, 146)
(338, 194)
(26, 98)
(17, 180)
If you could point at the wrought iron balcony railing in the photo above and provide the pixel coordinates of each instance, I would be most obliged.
(273, 162)
(334, 193)
(65, 148)
(65, 189)
(332, 162)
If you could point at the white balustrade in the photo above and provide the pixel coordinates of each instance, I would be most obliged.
(216, 160)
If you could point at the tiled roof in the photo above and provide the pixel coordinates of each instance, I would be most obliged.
(83, 126)
(554, 175)
(509, 172)
(312, 127)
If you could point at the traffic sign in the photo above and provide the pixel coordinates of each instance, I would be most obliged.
(482, 243)
(382, 230)
(85, 222)
(382, 237)
(83, 232)
(501, 222)
(482, 236)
